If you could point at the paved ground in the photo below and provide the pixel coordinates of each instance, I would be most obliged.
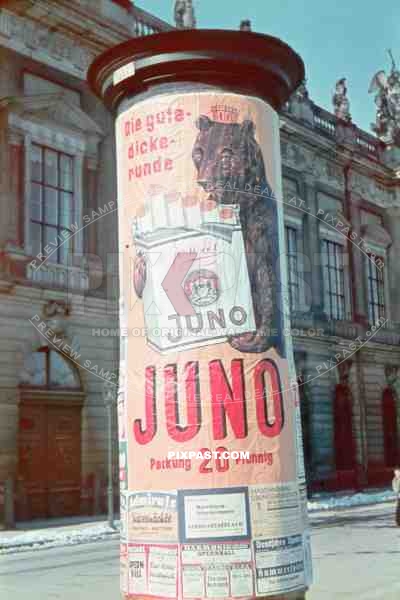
(356, 556)
(82, 572)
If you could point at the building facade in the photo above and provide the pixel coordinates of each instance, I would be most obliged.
(58, 253)
(342, 209)
(59, 283)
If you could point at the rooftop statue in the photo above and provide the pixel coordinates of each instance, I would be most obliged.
(184, 14)
(387, 100)
(301, 93)
(340, 101)
(245, 25)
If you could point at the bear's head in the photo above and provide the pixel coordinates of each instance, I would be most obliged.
(227, 157)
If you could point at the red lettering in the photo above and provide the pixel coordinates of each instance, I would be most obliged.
(153, 144)
(227, 400)
(144, 436)
(149, 168)
(176, 431)
(267, 395)
(132, 126)
(163, 142)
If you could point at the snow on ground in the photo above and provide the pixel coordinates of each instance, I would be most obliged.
(331, 502)
(67, 535)
(56, 536)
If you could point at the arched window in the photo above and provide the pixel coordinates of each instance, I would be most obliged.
(47, 368)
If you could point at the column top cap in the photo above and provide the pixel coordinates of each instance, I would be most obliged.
(238, 61)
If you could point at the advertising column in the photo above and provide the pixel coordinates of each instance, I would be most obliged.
(212, 492)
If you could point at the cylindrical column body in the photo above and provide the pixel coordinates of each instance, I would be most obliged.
(213, 499)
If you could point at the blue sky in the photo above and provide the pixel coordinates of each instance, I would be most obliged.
(342, 38)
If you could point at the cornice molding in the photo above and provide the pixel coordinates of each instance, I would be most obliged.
(69, 34)
(52, 107)
(376, 234)
(366, 187)
(52, 119)
(35, 40)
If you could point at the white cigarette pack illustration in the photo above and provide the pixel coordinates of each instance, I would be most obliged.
(191, 272)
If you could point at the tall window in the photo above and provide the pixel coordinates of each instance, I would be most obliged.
(376, 291)
(292, 262)
(333, 279)
(51, 202)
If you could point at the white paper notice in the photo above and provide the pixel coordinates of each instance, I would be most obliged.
(217, 583)
(241, 581)
(279, 565)
(163, 572)
(217, 515)
(193, 581)
(137, 570)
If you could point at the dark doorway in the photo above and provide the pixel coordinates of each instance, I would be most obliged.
(390, 434)
(49, 459)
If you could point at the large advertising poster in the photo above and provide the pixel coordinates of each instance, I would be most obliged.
(213, 504)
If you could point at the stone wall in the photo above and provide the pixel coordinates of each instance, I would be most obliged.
(361, 192)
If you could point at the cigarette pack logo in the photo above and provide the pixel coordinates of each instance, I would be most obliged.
(202, 288)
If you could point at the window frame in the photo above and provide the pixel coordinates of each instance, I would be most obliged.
(295, 222)
(44, 187)
(369, 265)
(379, 250)
(48, 386)
(55, 143)
(292, 255)
(326, 237)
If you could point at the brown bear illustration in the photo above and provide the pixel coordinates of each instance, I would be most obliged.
(230, 167)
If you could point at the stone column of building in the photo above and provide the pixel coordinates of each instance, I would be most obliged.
(93, 463)
(15, 173)
(306, 410)
(96, 268)
(359, 419)
(320, 388)
(12, 186)
(9, 450)
(392, 224)
(91, 176)
(360, 316)
(320, 385)
(311, 245)
(359, 294)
